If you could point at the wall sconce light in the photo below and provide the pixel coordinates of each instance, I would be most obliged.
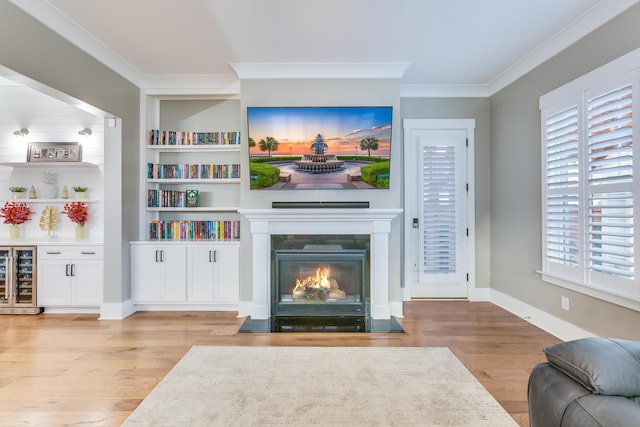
(85, 132)
(21, 132)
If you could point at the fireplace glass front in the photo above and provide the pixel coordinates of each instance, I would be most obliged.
(320, 287)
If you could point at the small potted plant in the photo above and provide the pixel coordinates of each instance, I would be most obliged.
(15, 213)
(18, 192)
(78, 213)
(80, 192)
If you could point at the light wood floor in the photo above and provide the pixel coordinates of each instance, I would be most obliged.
(64, 370)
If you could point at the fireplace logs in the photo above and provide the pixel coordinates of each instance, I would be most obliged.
(319, 287)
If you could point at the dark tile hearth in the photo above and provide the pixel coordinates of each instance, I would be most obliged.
(381, 326)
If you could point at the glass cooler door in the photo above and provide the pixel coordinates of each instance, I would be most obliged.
(5, 282)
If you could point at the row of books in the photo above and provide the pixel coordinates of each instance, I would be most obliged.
(194, 230)
(189, 171)
(170, 137)
(172, 198)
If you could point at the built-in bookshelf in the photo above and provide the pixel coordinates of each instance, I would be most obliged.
(187, 255)
(188, 174)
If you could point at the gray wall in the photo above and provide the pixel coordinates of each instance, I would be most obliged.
(34, 51)
(466, 108)
(516, 218)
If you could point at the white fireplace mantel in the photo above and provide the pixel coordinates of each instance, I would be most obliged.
(373, 222)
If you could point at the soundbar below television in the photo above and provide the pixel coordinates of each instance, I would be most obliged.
(319, 148)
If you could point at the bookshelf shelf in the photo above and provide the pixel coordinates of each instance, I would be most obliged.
(194, 181)
(194, 148)
(194, 209)
(48, 164)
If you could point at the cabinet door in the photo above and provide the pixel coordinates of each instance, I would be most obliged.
(55, 283)
(174, 265)
(226, 273)
(148, 274)
(159, 273)
(25, 276)
(5, 280)
(87, 282)
(200, 273)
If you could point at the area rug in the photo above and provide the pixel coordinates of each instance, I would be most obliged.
(319, 386)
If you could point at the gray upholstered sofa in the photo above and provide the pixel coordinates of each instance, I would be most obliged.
(587, 382)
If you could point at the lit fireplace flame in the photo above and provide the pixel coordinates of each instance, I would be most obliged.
(320, 286)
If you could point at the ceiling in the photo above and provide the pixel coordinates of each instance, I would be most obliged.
(435, 47)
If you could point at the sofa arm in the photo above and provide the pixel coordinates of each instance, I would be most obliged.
(550, 392)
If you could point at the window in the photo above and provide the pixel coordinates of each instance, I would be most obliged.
(588, 142)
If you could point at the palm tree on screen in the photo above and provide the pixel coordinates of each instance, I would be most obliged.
(269, 144)
(369, 143)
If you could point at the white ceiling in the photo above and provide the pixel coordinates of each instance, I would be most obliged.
(463, 47)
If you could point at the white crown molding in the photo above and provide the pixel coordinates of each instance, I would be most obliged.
(385, 70)
(443, 91)
(192, 85)
(51, 17)
(601, 13)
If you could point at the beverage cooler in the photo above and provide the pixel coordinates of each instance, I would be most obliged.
(18, 280)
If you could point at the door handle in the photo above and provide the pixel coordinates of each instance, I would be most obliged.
(73, 269)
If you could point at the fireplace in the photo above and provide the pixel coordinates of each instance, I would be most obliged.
(320, 283)
(373, 224)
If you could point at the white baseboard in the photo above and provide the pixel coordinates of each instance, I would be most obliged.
(72, 310)
(116, 310)
(543, 320)
(396, 309)
(479, 294)
(244, 308)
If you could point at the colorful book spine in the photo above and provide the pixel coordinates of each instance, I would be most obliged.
(223, 230)
(170, 137)
(192, 171)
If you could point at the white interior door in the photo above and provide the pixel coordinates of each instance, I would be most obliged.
(439, 240)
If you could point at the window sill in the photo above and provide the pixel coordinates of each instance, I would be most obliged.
(607, 296)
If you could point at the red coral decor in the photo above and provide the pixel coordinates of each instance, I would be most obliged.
(15, 213)
(77, 212)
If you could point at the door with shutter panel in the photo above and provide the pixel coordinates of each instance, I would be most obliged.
(440, 241)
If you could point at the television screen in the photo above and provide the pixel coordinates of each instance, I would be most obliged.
(309, 148)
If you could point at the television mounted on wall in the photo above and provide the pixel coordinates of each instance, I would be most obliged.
(319, 148)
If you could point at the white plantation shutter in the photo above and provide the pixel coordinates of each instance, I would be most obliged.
(562, 239)
(443, 225)
(589, 190)
(439, 195)
(610, 184)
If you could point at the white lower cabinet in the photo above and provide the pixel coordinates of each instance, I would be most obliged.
(212, 273)
(191, 274)
(70, 276)
(158, 273)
